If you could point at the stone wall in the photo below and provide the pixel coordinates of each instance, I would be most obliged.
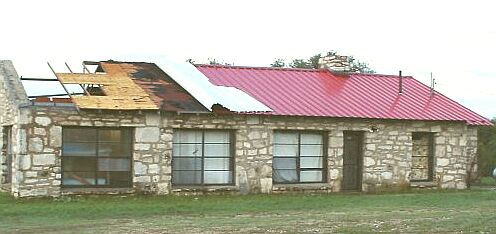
(386, 163)
(12, 96)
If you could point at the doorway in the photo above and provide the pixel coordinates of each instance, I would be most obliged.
(7, 153)
(352, 161)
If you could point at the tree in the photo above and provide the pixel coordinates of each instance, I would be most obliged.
(313, 62)
(300, 63)
(213, 61)
(279, 62)
(486, 153)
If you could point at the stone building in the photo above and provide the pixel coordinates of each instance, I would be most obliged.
(164, 129)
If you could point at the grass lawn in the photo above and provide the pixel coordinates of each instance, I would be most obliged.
(426, 211)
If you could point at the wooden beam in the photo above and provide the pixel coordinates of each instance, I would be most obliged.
(80, 85)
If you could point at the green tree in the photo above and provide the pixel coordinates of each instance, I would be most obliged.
(301, 63)
(486, 151)
(278, 62)
(213, 61)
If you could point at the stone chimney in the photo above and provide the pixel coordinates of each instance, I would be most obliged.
(335, 62)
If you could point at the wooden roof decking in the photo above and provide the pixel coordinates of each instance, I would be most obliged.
(121, 92)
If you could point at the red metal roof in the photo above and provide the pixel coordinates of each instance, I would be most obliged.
(312, 92)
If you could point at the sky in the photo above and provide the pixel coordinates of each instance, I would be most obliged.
(455, 40)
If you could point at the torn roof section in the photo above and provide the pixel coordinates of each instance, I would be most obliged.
(167, 86)
(208, 94)
(118, 91)
(166, 93)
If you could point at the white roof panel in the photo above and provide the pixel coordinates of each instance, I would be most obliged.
(208, 94)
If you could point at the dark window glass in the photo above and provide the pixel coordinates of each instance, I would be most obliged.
(79, 178)
(96, 157)
(79, 149)
(79, 134)
(114, 149)
(202, 157)
(187, 177)
(298, 157)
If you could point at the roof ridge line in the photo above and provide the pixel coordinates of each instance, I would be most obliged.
(259, 68)
(376, 74)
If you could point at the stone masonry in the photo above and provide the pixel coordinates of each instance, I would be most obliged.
(386, 162)
(12, 96)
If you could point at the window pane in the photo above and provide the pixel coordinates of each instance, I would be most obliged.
(311, 150)
(114, 149)
(78, 178)
(187, 150)
(79, 149)
(186, 177)
(217, 177)
(79, 164)
(181, 136)
(310, 176)
(217, 150)
(284, 176)
(114, 164)
(285, 150)
(186, 163)
(112, 135)
(311, 138)
(217, 163)
(79, 135)
(285, 138)
(310, 162)
(284, 163)
(217, 137)
(114, 178)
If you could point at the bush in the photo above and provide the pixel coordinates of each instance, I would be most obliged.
(489, 181)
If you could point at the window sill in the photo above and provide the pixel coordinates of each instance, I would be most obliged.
(68, 191)
(302, 186)
(206, 188)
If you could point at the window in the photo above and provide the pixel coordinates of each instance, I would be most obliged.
(202, 157)
(422, 156)
(299, 157)
(6, 165)
(96, 157)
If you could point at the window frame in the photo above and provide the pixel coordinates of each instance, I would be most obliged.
(232, 157)
(97, 142)
(430, 156)
(298, 169)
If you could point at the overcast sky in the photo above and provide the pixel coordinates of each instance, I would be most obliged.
(456, 40)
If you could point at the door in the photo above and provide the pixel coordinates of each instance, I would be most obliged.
(352, 161)
(7, 152)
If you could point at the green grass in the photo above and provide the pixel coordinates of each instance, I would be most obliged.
(428, 211)
(487, 181)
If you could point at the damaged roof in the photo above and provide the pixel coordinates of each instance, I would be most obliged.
(131, 86)
(319, 92)
(264, 90)
(166, 93)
